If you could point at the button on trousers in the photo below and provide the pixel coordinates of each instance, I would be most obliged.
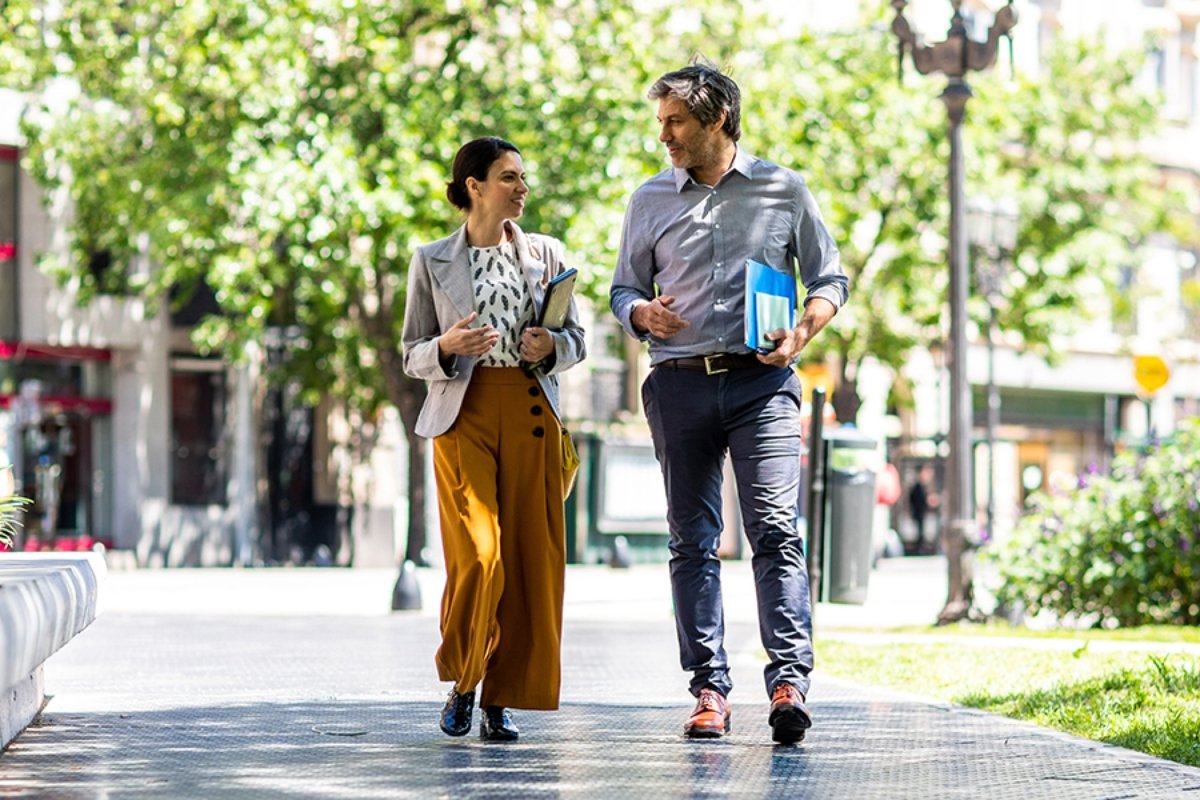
(754, 415)
(500, 501)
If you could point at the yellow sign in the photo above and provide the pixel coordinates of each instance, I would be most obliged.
(813, 376)
(1151, 373)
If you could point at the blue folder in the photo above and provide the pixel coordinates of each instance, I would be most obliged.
(770, 303)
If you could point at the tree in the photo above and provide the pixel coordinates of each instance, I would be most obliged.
(875, 150)
(291, 158)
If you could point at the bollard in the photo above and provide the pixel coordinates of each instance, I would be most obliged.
(406, 596)
(619, 556)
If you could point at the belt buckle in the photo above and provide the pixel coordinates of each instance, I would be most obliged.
(709, 369)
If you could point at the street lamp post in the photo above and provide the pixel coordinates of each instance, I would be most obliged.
(955, 57)
(992, 230)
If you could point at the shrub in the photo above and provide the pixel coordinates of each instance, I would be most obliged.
(1122, 549)
(9, 519)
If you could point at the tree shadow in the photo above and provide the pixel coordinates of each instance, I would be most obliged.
(363, 748)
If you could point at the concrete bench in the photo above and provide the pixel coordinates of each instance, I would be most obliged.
(45, 599)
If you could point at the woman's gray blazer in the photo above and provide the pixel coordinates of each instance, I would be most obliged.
(440, 294)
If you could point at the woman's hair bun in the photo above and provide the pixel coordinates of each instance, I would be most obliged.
(456, 193)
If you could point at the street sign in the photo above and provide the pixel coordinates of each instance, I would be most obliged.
(1151, 373)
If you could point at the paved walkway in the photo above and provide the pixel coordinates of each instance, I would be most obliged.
(300, 683)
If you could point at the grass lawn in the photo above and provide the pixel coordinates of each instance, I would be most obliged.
(1140, 700)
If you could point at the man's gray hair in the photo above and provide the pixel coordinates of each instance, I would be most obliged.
(706, 92)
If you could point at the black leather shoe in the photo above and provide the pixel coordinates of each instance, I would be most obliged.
(456, 715)
(497, 725)
(789, 719)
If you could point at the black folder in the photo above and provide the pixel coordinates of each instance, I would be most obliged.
(555, 306)
(557, 302)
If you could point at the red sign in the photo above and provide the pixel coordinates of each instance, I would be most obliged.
(8, 251)
(18, 351)
(55, 405)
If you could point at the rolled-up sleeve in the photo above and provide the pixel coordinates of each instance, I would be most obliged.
(820, 263)
(633, 279)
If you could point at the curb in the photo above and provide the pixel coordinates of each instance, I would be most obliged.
(45, 600)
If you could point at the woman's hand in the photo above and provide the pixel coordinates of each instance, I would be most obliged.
(536, 344)
(463, 340)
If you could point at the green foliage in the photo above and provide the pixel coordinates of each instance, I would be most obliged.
(293, 158)
(1070, 152)
(1146, 702)
(1120, 549)
(19, 24)
(875, 150)
(1154, 708)
(870, 147)
(10, 521)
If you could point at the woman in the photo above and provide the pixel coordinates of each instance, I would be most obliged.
(497, 441)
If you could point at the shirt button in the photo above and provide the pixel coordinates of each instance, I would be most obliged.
(539, 432)
(536, 411)
(533, 391)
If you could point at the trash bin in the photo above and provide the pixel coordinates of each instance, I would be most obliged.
(850, 458)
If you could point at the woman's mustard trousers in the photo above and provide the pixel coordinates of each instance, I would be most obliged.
(500, 500)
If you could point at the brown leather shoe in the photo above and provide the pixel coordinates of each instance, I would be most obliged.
(789, 717)
(710, 720)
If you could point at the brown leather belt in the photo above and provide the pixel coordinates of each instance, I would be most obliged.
(714, 364)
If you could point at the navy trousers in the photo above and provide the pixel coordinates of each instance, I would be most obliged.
(754, 415)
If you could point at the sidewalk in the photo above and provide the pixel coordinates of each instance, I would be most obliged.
(301, 683)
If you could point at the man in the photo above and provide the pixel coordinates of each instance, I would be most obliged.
(680, 285)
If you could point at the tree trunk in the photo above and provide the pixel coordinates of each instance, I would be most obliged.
(408, 395)
(845, 399)
(410, 407)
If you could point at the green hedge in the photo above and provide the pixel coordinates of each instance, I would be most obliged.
(1122, 549)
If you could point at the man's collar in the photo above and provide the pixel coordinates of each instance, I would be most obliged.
(743, 162)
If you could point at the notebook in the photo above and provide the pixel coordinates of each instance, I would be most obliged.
(770, 303)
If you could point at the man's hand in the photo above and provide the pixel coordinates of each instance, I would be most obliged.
(789, 343)
(657, 318)
(463, 340)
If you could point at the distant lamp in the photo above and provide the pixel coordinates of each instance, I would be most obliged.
(992, 232)
(955, 57)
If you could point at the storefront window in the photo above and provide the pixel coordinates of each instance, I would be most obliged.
(199, 466)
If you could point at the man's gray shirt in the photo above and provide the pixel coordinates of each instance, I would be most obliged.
(692, 241)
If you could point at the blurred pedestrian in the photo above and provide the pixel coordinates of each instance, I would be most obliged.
(680, 285)
(922, 499)
(497, 441)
